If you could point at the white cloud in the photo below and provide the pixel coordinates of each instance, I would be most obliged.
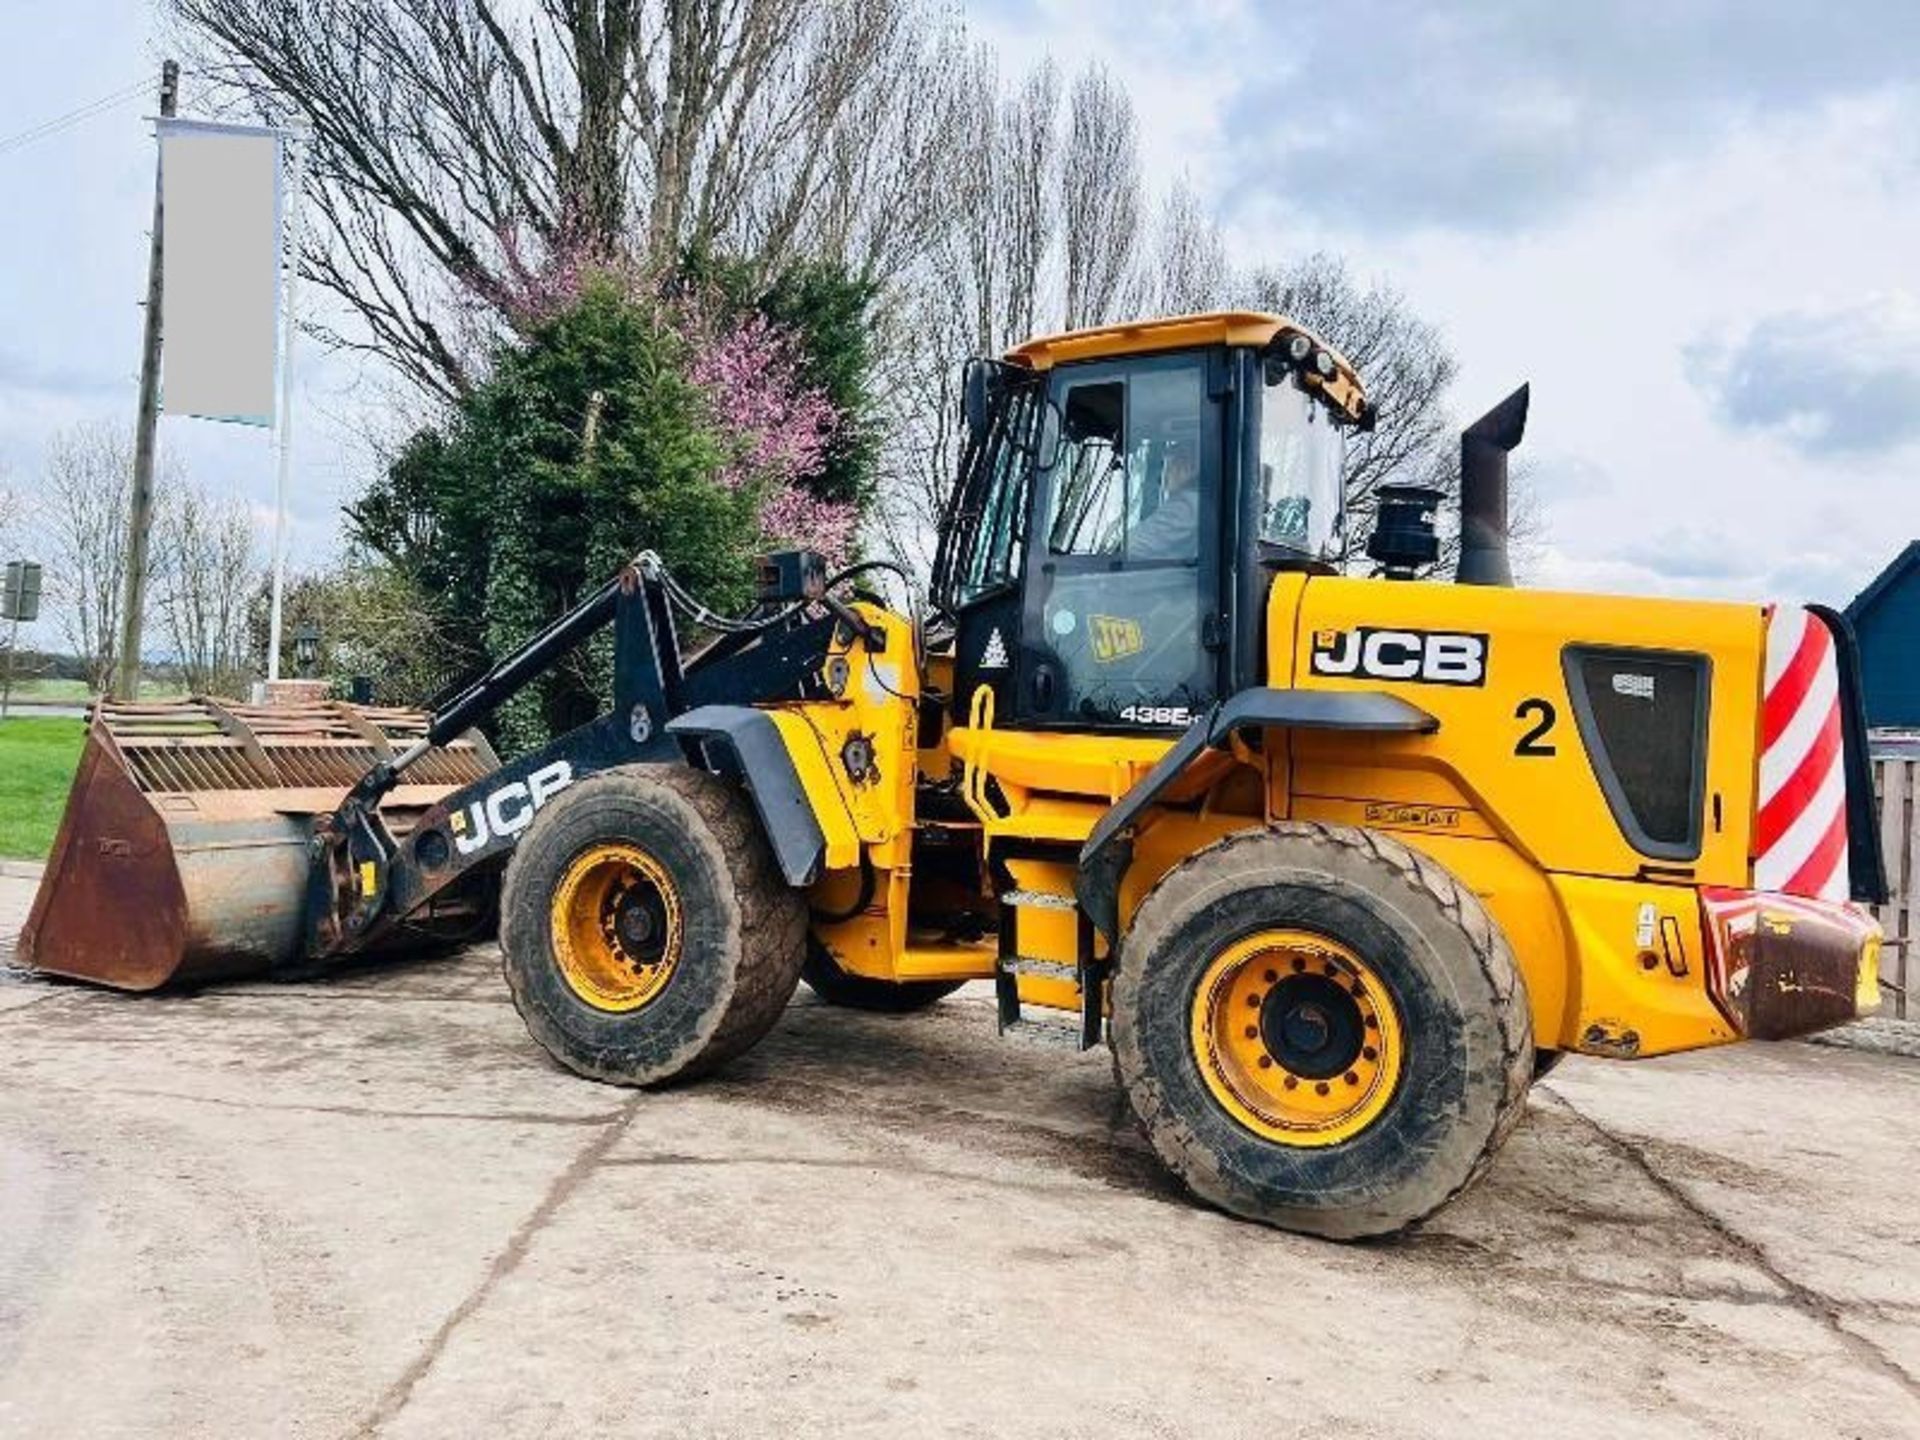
(1827, 382)
(1502, 115)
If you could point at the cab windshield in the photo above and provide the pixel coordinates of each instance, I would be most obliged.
(1303, 452)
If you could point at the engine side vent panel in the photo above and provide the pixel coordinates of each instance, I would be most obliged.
(1643, 720)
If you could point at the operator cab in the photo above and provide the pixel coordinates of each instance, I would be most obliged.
(1123, 493)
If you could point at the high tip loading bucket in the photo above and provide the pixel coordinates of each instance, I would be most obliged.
(184, 852)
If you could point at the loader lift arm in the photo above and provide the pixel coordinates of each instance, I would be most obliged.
(509, 676)
(365, 882)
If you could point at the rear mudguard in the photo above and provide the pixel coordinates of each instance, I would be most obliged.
(1109, 849)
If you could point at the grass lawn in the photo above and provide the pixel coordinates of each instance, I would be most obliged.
(37, 758)
(46, 690)
(66, 692)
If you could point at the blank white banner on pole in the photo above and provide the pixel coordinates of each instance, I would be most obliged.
(220, 226)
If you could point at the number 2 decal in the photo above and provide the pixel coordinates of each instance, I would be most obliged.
(1543, 715)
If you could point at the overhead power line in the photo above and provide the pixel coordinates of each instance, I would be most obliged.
(58, 123)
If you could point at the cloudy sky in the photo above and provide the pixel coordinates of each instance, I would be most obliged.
(77, 206)
(1693, 225)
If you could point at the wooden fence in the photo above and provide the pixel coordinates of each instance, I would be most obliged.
(1897, 782)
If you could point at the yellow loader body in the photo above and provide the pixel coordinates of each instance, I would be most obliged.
(1504, 793)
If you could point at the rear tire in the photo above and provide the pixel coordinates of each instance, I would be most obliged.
(1352, 940)
(647, 933)
(835, 986)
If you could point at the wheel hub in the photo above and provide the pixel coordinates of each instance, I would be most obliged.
(639, 923)
(1297, 1037)
(1311, 1025)
(616, 927)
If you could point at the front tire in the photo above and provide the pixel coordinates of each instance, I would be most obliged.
(1321, 1029)
(647, 934)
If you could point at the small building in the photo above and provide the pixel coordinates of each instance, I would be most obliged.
(1886, 617)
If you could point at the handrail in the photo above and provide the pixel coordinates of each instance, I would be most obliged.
(973, 768)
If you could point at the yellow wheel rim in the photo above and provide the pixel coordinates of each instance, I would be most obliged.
(616, 927)
(1297, 1038)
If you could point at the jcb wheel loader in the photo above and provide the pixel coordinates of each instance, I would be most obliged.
(1336, 865)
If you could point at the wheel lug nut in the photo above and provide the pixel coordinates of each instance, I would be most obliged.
(1253, 1032)
(1298, 964)
(1253, 1001)
(1292, 1083)
(1352, 1079)
(1272, 976)
(1322, 1088)
(1370, 1053)
(1266, 1062)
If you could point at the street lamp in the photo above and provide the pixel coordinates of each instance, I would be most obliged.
(306, 648)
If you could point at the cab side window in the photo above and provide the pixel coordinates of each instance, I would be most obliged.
(1126, 480)
(1090, 476)
(999, 536)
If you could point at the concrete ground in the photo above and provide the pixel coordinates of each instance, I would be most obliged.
(371, 1206)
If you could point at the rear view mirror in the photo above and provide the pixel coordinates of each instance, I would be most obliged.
(975, 398)
(1046, 447)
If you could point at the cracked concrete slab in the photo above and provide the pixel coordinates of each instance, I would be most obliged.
(374, 1207)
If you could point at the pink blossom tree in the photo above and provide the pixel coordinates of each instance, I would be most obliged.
(778, 431)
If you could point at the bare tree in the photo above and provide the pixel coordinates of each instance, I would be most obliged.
(460, 147)
(13, 510)
(1528, 532)
(371, 618)
(1023, 194)
(876, 207)
(1040, 231)
(1100, 193)
(982, 284)
(1187, 270)
(207, 564)
(83, 518)
(1402, 360)
(377, 623)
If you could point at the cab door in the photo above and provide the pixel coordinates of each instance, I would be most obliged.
(1119, 622)
(979, 571)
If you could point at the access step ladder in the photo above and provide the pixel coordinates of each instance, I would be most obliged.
(1086, 971)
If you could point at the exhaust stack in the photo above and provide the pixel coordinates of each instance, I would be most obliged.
(1484, 446)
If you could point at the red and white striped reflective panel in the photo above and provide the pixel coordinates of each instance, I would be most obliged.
(1800, 832)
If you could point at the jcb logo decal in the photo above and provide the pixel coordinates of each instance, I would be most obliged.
(508, 810)
(1114, 638)
(1426, 657)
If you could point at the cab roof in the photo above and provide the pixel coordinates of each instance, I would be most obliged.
(1254, 328)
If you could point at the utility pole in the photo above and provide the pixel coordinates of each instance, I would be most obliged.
(140, 517)
(6, 685)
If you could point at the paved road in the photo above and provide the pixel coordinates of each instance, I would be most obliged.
(371, 1207)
